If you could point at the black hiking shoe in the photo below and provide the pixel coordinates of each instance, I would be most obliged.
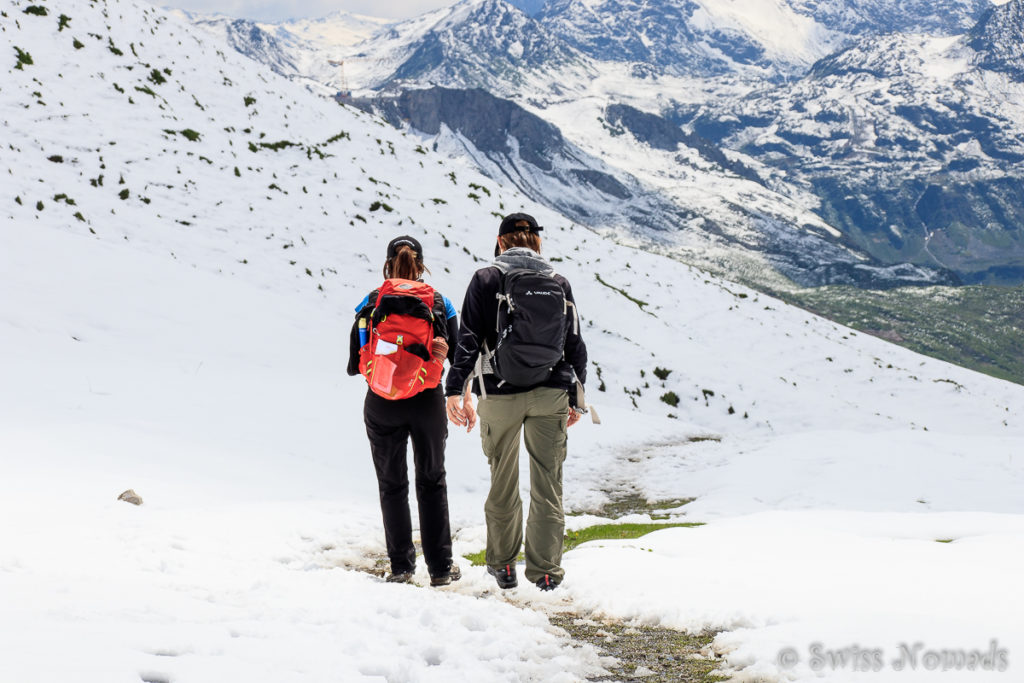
(400, 577)
(546, 583)
(505, 576)
(453, 574)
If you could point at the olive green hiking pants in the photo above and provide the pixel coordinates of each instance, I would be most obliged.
(540, 415)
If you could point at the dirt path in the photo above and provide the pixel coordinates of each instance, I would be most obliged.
(653, 655)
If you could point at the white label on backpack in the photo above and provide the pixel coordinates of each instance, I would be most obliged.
(384, 348)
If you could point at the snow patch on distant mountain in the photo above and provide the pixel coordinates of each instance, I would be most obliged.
(342, 29)
(785, 34)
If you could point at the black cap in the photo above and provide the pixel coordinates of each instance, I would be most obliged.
(404, 241)
(508, 223)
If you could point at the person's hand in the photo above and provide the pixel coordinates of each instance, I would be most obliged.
(460, 411)
(574, 417)
(439, 350)
(467, 406)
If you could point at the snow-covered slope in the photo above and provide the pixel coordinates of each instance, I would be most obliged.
(184, 235)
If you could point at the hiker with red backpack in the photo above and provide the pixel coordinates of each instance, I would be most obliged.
(519, 348)
(398, 343)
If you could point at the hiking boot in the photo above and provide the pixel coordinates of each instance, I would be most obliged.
(505, 576)
(400, 577)
(453, 574)
(546, 583)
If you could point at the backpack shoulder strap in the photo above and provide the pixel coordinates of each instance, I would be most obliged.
(482, 367)
(503, 280)
(439, 308)
(440, 316)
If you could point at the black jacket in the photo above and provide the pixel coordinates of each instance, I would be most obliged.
(480, 322)
(446, 325)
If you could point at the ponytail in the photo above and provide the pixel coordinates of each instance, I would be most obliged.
(405, 265)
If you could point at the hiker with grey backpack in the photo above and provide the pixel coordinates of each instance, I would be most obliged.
(520, 350)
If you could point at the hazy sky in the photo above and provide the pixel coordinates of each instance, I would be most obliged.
(276, 10)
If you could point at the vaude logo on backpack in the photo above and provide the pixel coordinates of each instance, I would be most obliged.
(533, 321)
(396, 358)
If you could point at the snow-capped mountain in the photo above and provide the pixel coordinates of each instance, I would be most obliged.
(492, 43)
(488, 44)
(575, 62)
(721, 216)
(765, 39)
(914, 145)
(759, 40)
(687, 198)
(474, 43)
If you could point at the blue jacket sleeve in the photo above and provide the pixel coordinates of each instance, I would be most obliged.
(353, 337)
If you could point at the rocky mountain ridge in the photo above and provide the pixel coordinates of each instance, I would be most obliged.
(913, 144)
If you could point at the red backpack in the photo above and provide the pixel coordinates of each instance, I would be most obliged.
(396, 356)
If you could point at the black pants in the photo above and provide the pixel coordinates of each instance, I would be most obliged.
(389, 425)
